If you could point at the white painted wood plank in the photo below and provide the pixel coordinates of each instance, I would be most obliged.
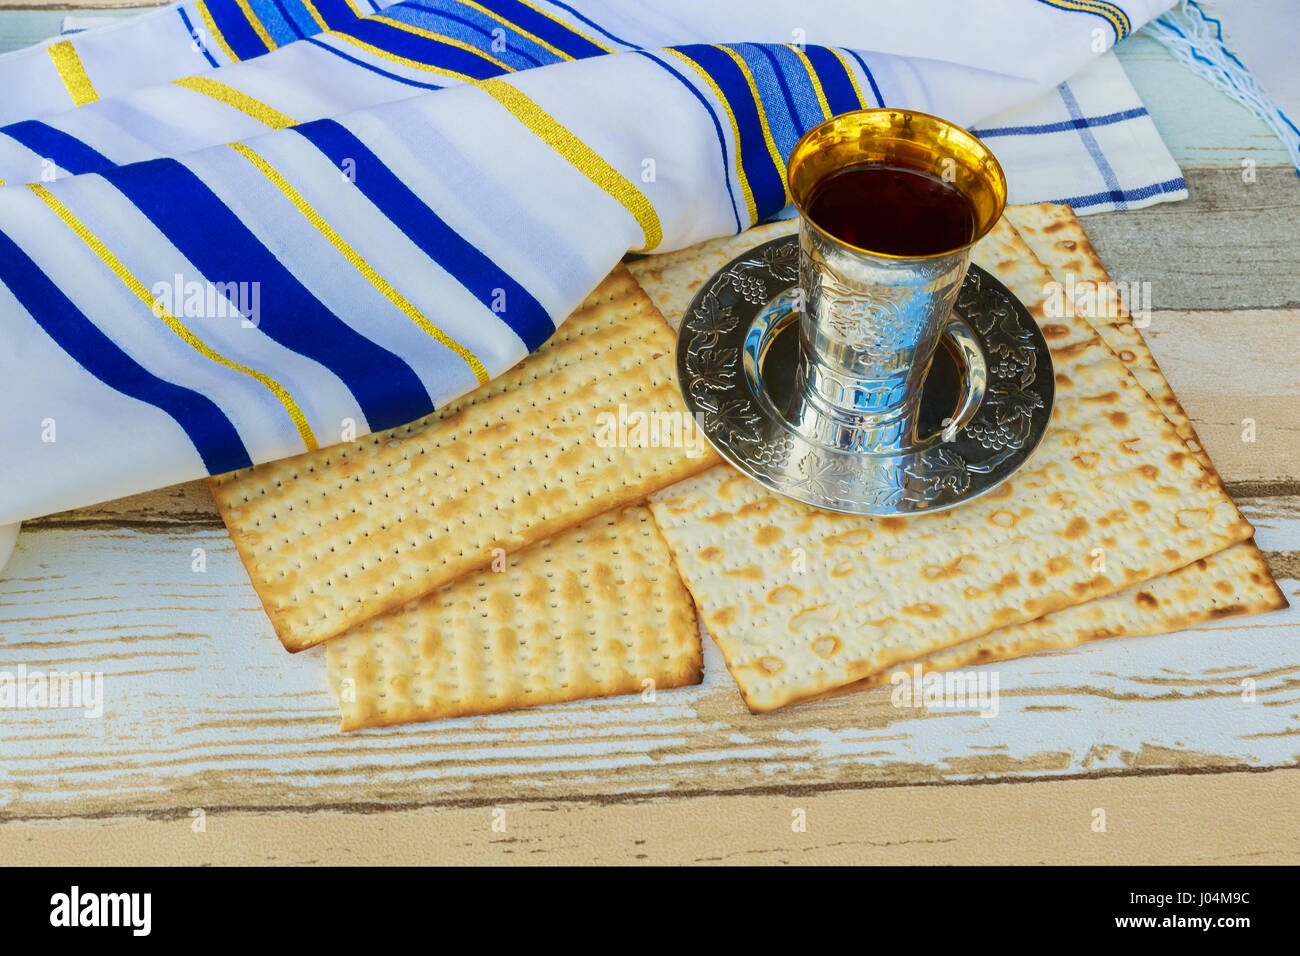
(203, 707)
(20, 28)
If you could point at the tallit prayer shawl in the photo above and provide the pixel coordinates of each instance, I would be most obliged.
(235, 230)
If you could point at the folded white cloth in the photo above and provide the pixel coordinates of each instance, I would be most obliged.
(1089, 142)
(269, 225)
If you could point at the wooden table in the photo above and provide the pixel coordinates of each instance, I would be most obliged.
(218, 747)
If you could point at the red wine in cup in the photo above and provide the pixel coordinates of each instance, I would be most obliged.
(892, 210)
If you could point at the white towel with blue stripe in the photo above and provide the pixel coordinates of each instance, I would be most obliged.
(236, 230)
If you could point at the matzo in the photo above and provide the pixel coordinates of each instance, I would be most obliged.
(1234, 581)
(802, 601)
(1056, 237)
(672, 279)
(334, 537)
(593, 611)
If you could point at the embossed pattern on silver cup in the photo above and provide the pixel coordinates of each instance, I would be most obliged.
(869, 329)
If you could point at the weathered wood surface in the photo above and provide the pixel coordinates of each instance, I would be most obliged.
(1229, 245)
(23, 23)
(204, 710)
(1201, 127)
(89, 8)
(1240, 372)
(1191, 818)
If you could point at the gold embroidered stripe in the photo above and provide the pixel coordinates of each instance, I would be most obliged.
(315, 15)
(358, 262)
(583, 158)
(814, 79)
(176, 325)
(1113, 14)
(450, 41)
(735, 131)
(237, 100)
(72, 73)
(256, 24)
(212, 29)
(492, 14)
(560, 23)
(401, 60)
(772, 151)
(848, 71)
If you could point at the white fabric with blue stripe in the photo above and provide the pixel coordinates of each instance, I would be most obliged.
(354, 218)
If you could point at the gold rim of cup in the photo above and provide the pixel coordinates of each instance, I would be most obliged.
(906, 138)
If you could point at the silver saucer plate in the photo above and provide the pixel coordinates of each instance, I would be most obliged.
(987, 400)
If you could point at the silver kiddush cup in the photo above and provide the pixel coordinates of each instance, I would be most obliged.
(871, 321)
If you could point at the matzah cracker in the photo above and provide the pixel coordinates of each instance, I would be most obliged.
(1234, 581)
(802, 601)
(334, 537)
(593, 611)
(673, 278)
(1231, 582)
(1057, 238)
